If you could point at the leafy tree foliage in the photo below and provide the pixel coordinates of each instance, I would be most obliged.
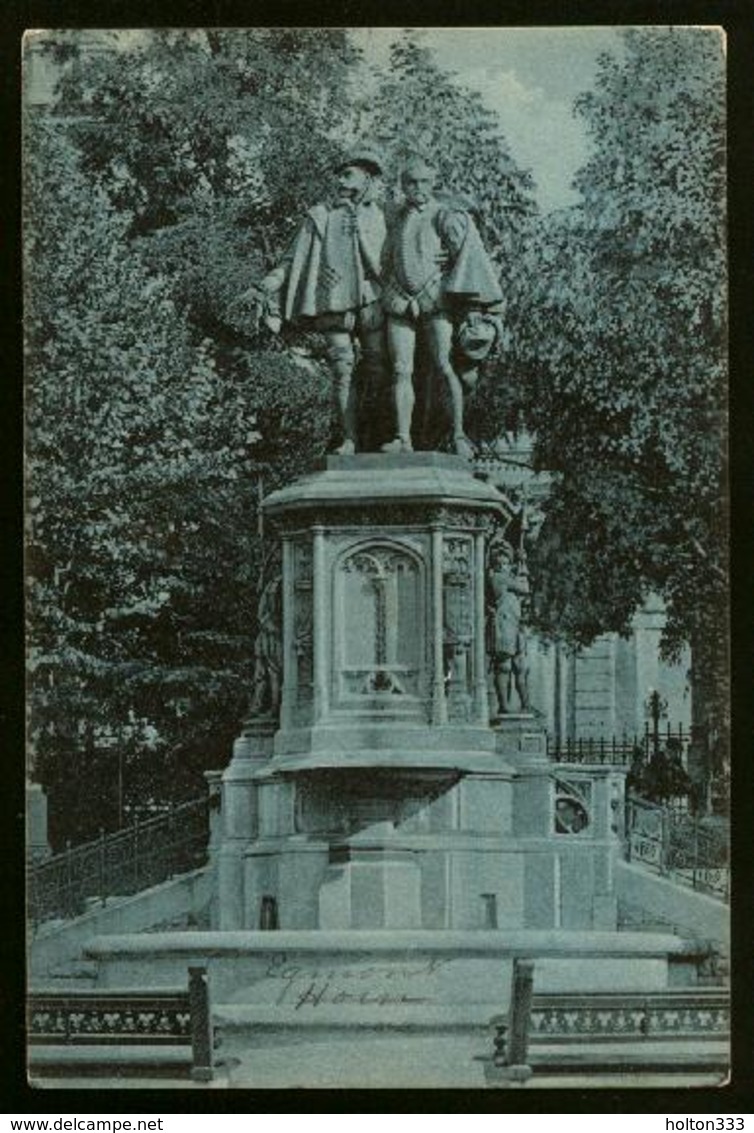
(620, 322)
(660, 777)
(419, 109)
(149, 443)
(213, 143)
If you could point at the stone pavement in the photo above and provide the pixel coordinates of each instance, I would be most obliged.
(451, 1061)
(434, 1062)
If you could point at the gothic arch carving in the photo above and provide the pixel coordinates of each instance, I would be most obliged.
(379, 624)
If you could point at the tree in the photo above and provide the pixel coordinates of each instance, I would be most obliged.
(144, 465)
(158, 186)
(418, 108)
(620, 323)
(660, 777)
(216, 139)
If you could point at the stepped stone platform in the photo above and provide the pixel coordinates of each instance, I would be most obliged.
(409, 967)
(389, 1009)
(387, 846)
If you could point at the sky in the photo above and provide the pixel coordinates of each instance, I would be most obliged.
(529, 77)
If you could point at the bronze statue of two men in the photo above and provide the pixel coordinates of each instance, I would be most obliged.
(372, 290)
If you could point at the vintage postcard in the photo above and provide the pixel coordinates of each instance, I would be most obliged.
(377, 557)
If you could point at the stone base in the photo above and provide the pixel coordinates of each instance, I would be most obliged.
(477, 848)
(395, 745)
(37, 845)
(368, 888)
(398, 975)
(379, 1009)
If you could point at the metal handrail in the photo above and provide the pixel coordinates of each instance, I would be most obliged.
(678, 845)
(144, 854)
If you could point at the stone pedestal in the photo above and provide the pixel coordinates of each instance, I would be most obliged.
(239, 811)
(404, 848)
(370, 886)
(387, 977)
(37, 844)
(386, 799)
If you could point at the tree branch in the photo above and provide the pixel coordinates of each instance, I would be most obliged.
(716, 570)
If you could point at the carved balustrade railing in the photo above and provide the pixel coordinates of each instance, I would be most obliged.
(693, 1013)
(537, 1024)
(107, 1018)
(144, 854)
(161, 1016)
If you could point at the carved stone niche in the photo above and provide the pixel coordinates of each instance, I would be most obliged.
(383, 614)
(573, 806)
(302, 620)
(458, 624)
(379, 629)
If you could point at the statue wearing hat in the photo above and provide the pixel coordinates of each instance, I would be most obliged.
(329, 281)
(439, 282)
(507, 589)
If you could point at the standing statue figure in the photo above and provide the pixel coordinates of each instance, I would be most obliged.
(507, 585)
(268, 650)
(437, 275)
(329, 281)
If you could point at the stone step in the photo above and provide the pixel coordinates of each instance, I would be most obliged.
(658, 1054)
(76, 973)
(246, 1030)
(639, 1063)
(460, 1059)
(376, 1061)
(261, 1019)
(390, 1060)
(63, 1056)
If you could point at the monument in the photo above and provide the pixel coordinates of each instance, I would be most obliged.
(392, 832)
(382, 797)
(438, 281)
(385, 797)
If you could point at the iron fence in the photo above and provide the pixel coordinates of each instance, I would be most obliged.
(144, 854)
(673, 843)
(621, 750)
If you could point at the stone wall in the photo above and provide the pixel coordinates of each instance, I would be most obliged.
(664, 903)
(60, 943)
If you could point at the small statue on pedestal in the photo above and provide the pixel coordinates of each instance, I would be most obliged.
(440, 282)
(508, 585)
(329, 282)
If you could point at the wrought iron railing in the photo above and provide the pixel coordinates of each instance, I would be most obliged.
(669, 842)
(619, 750)
(119, 864)
(602, 751)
